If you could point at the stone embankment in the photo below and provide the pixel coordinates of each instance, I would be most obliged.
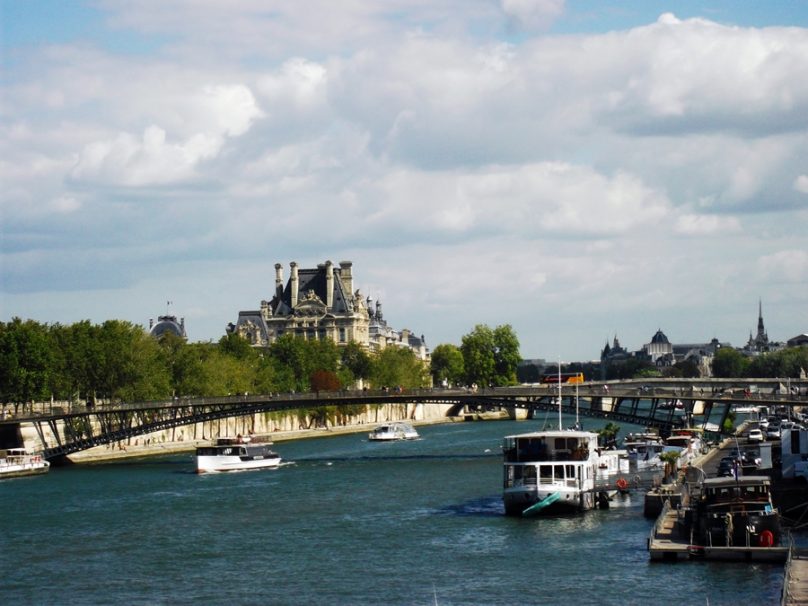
(281, 426)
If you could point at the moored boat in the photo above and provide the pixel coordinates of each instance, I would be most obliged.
(721, 519)
(553, 471)
(18, 462)
(397, 430)
(236, 454)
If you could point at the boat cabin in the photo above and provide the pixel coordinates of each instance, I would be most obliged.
(545, 446)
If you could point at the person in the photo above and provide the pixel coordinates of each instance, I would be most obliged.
(730, 528)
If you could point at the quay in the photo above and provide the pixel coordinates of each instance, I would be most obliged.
(795, 583)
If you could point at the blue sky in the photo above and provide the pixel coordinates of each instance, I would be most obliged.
(578, 170)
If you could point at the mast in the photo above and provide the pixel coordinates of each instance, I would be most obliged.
(577, 422)
(559, 394)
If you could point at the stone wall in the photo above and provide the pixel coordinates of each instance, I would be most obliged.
(278, 424)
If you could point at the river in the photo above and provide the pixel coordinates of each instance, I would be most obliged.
(343, 521)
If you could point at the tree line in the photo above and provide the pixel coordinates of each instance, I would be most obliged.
(119, 361)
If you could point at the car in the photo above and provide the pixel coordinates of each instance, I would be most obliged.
(755, 435)
(725, 468)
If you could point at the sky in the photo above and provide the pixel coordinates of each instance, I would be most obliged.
(578, 170)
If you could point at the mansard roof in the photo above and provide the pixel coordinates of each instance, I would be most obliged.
(314, 280)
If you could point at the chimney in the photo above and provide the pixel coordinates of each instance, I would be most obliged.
(278, 279)
(329, 284)
(294, 283)
(346, 276)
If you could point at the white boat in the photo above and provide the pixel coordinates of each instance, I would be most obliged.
(398, 430)
(643, 450)
(18, 462)
(236, 454)
(553, 471)
(687, 442)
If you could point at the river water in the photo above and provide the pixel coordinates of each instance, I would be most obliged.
(344, 521)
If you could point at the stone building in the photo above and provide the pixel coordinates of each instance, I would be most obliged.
(321, 303)
(659, 351)
(760, 342)
(167, 324)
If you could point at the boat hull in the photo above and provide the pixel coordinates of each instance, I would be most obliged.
(518, 501)
(221, 463)
(21, 471)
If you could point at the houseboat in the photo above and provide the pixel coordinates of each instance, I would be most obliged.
(548, 472)
(18, 462)
(643, 450)
(236, 454)
(721, 519)
(398, 430)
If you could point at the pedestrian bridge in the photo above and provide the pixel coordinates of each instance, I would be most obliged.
(664, 404)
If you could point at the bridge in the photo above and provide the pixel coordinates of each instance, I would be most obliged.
(664, 404)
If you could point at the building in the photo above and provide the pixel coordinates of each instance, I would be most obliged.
(659, 351)
(321, 303)
(167, 324)
(760, 342)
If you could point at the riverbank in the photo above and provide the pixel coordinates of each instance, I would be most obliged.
(114, 452)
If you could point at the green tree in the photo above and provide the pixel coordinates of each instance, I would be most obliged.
(398, 366)
(490, 357)
(506, 355)
(729, 364)
(355, 364)
(26, 362)
(479, 361)
(447, 365)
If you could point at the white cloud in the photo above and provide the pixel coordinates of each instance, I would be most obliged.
(225, 111)
(785, 266)
(801, 184)
(533, 14)
(706, 225)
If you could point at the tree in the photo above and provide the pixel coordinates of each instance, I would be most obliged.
(490, 356)
(506, 355)
(26, 362)
(608, 435)
(729, 364)
(398, 366)
(447, 365)
(355, 364)
(477, 348)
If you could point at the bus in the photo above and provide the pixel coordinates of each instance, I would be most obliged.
(566, 377)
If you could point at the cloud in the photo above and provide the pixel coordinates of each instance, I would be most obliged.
(532, 14)
(785, 266)
(801, 184)
(227, 111)
(705, 225)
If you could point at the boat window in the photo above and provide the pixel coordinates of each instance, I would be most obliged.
(560, 443)
(546, 472)
(570, 471)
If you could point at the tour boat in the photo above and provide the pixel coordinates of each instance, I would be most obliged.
(398, 430)
(18, 462)
(554, 471)
(236, 454)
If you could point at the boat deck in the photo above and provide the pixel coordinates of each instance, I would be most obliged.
(795, 586)
(666, 544)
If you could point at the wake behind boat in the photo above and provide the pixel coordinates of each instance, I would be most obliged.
(236, 454)
(398, 430)
(18, 462)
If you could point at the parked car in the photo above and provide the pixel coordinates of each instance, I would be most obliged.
(755, 435)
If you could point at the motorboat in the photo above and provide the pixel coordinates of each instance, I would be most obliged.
(687, 442)
(553, 471)
(19, 462)
(236, 454)
(643, 450)
(397, 430)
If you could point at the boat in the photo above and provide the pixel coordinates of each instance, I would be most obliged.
(555, 471)
(721, 519)
(18, 462)
(687, 442)
(397, 430)
(236, 454)
(643, 450)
